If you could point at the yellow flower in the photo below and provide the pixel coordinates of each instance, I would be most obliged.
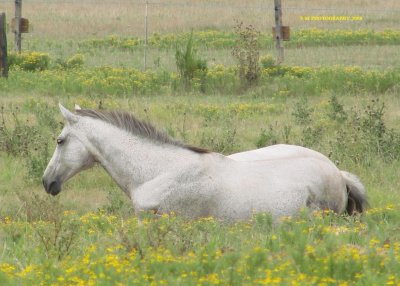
(7, 268)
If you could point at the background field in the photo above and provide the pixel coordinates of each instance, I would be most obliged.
(336, 92)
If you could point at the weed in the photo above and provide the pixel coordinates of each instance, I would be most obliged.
(59, 235)
(247, 53)
(225, 142)
(302, 112)
(16, 136)
(267, 137)
(336, 110)
(267, 62)
(76, 61)
(32, 61)
(55, 228)
(118, 204)
(189, 64)
(372, 123)
(363, 135)
(312, 135)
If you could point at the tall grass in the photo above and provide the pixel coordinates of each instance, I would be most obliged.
(80, 19)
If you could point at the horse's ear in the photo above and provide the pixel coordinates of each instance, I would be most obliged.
(68, 115)
(77, 107)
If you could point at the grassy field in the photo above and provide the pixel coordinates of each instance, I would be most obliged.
(69, 19)
(337, 92)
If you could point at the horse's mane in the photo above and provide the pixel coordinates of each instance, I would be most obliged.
(137, 127)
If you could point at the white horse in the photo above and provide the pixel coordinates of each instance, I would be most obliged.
(161, 174)
(356, 191)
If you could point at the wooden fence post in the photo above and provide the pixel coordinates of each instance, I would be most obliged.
(278, 31)
(145, 34)
(3, 46)
(18, 15)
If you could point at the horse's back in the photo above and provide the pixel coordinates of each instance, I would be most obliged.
(282, 186)
(278, 151)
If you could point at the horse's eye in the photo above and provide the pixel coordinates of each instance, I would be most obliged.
(60, 141)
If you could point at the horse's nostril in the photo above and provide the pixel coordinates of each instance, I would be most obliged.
(54, 188)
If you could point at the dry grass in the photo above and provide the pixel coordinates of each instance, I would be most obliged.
(78, 19)
(370, 57)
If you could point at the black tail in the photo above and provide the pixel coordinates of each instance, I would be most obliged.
(357, 199)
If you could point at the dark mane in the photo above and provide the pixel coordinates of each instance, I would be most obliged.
(135, 126)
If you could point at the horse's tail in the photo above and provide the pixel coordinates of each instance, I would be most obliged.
(357, 198)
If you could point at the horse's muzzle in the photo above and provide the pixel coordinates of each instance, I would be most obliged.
(53, 188)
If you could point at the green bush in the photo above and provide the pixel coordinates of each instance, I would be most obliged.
(247, 53)
(267, 62)
(29, 61)
(189, 64)
(74, 62)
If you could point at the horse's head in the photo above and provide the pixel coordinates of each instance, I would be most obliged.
(70, 157)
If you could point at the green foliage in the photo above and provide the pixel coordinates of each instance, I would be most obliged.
(74, 62)
(247, 53)
(267, 62)
(277, 80)
(226, 40)
(267, 137)
(302, 111)
(112, 42)
(45, 243)
(189, 65)
(16, 134)
(37, 161)
(317, 247)
(336, 110)
(224, 143)
(27, 138)
(43, 236)
(117, 204)
(29, 61)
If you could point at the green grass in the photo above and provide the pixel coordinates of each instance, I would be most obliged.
(102, 249)
(367, 49)
(274, 81)
(89, 234)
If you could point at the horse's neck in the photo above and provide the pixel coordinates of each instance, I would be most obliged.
(131, 160)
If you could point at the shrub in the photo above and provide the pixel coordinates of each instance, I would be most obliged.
(189, 64)
(74, 62)
(267, 137)
(16, 136)
(267, 62)
(247, 53)
(302, 112)
(29, 61)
